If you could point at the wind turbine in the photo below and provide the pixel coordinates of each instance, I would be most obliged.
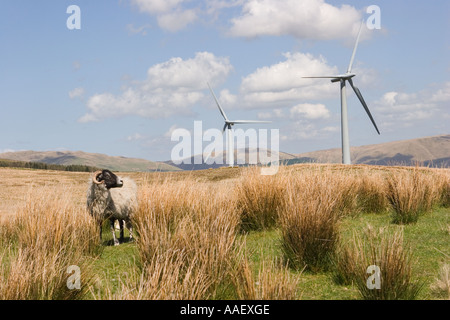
(228, 126)
(342, 78)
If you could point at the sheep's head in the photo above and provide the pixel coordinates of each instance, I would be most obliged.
(106, 177)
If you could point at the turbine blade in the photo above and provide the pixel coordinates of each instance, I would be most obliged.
(224, 127)
(354, 49)
(248, 121)
(218, 104)
(361, 99)
(321, 77)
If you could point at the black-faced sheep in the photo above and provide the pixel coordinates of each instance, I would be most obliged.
(113, 198)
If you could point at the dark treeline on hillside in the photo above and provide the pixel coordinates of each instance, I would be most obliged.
(45, 166)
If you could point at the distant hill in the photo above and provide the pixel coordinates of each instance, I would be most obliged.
(103, 161)
(242, 157)
(7, 163)
(428, 151)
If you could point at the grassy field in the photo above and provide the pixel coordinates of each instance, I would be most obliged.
(308, 232)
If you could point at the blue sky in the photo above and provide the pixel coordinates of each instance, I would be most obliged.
(137, 70)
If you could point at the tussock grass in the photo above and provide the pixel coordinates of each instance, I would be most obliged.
(309, 220)
(165, 277)
(273, 281)
(411, 193)
(47, 235)
(259, 198)
(191, 225)
(441, 286)
(386, 250)
(372, 192)
(444, 182)
(190, 245)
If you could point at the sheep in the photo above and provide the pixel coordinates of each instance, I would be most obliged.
(113, 198)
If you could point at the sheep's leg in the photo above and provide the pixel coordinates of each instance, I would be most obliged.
(121, 229)
(116, 242)
(130, 228)
(100, 233)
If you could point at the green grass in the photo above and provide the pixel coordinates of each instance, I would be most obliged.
(265, 245)
(429, 239)
(115, 262)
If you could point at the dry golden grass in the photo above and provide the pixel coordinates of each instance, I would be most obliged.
(16, 184)
(259, 198)
(47, 235)
(165, 277)
(386, 250)
(372, 192)
(412, 193)
(191, 224)
(273, 281)
(443, 179)
(441, 286)
(188, 224)
(309, 219)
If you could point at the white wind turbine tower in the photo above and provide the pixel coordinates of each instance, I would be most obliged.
(228, 126)
(342, 78)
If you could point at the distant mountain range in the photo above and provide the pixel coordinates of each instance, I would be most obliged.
(241, 157)
(429, 151)
(89, 159)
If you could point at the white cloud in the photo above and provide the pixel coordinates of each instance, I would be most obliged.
(177, 20)
(283, 82)
(189, 74)
(306, 19)
(303, 131)
(157, 6)
(171, 88)
(135, 137)
(227, 98)
(312, 19)
(142, 30)
(170, 14)
(168, 134)
(442, 94)
(274, 114)
(332, 129)
(213, 7)
(307, 131)
(76, 93)
(303, 111)
(310, 111)
(403, 108)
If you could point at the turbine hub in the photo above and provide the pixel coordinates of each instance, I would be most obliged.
(345, 76)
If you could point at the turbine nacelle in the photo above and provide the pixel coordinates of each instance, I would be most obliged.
(335, 78)
(344, 77)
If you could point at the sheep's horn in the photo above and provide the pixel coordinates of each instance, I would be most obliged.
(94, 177)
